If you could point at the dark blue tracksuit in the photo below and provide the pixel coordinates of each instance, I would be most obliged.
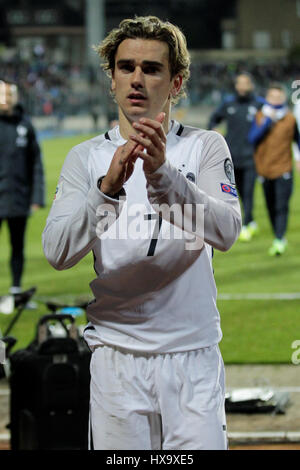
(21, 181)
(238, 112)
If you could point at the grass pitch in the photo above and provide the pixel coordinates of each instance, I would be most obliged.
(254, 331)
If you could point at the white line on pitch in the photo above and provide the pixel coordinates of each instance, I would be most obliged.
(293, 389)
(262, 296)
(279, 436)
(275, 388)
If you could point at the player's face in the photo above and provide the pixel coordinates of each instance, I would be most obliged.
(276, 97)
(8, 97)
(243, 85)
(141, 80)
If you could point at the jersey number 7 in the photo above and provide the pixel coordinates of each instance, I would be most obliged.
(157, 227)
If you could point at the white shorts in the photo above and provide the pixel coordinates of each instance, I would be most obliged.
(157, 401)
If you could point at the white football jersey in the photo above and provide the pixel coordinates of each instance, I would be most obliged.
(155, 290)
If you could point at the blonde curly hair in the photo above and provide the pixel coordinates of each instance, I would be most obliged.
(149, 27)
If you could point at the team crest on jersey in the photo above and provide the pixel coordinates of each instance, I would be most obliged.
(226, 188)
(191, 177)
(229, 171)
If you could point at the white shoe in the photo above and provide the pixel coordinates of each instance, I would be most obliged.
(31, 305)
(253, 228)
(15, 290)
(245, 235)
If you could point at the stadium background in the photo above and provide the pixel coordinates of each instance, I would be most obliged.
(46, 47)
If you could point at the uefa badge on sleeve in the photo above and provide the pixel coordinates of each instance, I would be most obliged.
(227, 188)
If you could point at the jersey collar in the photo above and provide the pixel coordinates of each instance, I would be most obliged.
(114, 134)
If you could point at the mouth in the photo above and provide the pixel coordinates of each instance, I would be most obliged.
(136, 98)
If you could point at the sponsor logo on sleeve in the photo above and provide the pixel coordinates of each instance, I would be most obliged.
(227, 188)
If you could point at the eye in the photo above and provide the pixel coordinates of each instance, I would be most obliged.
(127, 67)
(150, 69)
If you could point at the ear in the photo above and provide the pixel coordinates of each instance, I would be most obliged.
(177, 84)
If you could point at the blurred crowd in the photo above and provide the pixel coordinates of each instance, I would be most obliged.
(50, 88)
(209, 82)
(61, 89)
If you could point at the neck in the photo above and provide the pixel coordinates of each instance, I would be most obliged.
(126, 128)
(6, 112)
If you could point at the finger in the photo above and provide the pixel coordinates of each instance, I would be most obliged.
(131, 148)
(146, 157)
(154, 125)
(139, 147)
(146, 143)
(135, 155)
(160, 117)
(151, 133)
(126, 151)
(128, 148)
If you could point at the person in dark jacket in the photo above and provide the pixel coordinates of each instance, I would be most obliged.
(21, 175)
(238, 111)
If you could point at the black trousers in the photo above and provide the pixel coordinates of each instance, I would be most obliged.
(245, 182)
(17, 227)
(277, 194)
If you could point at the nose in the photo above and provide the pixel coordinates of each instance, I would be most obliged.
(137, 78)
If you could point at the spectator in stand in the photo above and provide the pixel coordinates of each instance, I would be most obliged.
(273, 132)
(238, 111)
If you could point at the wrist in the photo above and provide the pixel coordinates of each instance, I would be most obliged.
(155, 169)
(104, 187)
(108, 190)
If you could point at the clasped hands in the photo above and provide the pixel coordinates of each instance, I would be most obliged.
(151, 137)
